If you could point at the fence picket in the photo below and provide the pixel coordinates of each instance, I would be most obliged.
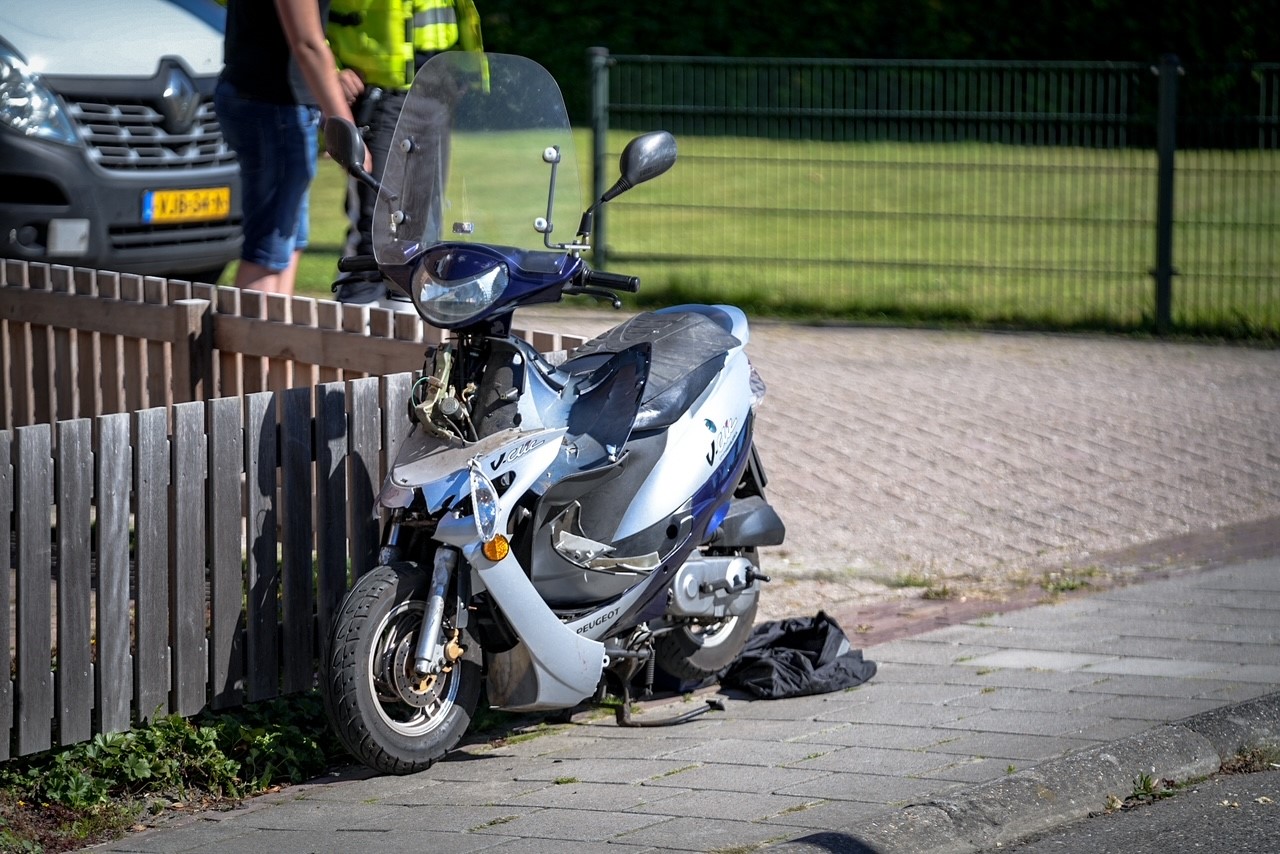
(263, 576)
(395, 425)
(110, 350)
(187, 561)
(296, 489)
(114, 669)
(7, 580)
(151, 661)
(279, 371)
(74, 476)
(65, 350)
(226, 545)
(229, 373)
(33, 471)
(364, 471)
(87, 374)
(330, 500)
(37, 340)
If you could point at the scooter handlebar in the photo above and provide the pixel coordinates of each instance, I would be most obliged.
(612, 281)
(357, 264)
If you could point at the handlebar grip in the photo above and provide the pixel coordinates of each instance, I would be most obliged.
(357, 264)
(613, 281)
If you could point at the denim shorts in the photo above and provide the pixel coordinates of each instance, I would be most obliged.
(276, 146)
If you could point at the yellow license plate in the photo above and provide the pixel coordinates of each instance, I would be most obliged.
(202, 205)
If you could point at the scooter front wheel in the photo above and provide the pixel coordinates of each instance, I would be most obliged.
(386, 715)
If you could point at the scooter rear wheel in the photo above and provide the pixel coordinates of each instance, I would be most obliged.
(385, 715)
(698, 652)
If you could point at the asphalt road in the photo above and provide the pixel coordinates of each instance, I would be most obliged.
(1233, 814)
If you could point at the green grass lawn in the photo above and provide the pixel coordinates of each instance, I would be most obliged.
(969, 232)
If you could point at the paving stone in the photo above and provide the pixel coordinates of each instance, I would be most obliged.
(560, 846)
(1257, 673)
(905, 714)
(732, 806)
(1024, 748)
(874, 735)
(1152, 708)
(1029, 699)
(822, 814)
(747, 753)
(924, 652)
(692, 834)
(598, 770)
(578, 825)
(869, 788)
(1033, 659)
(1163, 686)
(972, 770)
(1138, 666)
(732, 778)
(1018, 722)
(916, 692)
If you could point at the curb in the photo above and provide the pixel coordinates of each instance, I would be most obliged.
(1056, 792)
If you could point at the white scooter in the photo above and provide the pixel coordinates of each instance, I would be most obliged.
(559, 526)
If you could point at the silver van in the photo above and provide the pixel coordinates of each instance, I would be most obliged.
(111, 156)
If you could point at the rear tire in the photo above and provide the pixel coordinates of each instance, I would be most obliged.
(697, 653)
(387, 718)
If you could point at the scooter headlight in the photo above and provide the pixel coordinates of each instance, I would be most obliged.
(454, 287)
(484, 504)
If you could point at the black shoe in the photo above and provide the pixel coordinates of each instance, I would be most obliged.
(359, 293)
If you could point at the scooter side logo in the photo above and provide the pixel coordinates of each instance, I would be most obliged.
(720, 437)
(510, 457)
(599, 621)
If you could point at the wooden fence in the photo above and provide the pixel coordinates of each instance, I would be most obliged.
(187, 485)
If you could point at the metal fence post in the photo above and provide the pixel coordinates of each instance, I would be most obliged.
(1166, 146)
(599, 59)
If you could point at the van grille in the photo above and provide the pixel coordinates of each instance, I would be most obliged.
(132, 137)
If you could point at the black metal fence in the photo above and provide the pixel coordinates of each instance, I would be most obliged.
(1108, 195)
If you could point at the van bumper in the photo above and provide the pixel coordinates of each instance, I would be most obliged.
(58, 207)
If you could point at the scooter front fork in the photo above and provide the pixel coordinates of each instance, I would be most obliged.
(426, 656)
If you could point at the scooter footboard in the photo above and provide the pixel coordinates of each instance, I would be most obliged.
(552, 667)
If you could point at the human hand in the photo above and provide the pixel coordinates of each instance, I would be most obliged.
(351, 84)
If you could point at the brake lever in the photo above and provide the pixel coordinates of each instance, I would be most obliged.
(597, 293)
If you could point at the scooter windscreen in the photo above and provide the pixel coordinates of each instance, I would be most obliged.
(471, 159)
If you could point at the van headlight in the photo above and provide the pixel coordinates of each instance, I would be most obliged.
(28, 106)
(451, 290)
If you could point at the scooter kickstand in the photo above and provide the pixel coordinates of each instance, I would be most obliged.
(623, 713)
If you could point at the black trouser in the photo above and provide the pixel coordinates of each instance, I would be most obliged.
(360, 197)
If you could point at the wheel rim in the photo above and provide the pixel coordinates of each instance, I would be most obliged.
(711, 636)
(407, 705)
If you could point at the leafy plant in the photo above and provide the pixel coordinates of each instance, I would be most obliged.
(94, 790)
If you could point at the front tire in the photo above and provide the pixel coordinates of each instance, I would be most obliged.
(385, 716)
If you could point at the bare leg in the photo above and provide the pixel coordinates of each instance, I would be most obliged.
(259, 278)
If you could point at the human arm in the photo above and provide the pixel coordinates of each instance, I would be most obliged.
(304, 31)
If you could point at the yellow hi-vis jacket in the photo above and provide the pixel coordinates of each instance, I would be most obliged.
(380, 38)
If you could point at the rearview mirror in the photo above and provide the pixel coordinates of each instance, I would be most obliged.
(644, 158)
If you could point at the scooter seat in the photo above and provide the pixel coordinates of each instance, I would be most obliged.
(688, 349)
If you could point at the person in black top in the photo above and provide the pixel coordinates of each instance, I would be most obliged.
(278, 81)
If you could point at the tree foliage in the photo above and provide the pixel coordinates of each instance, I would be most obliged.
(558, 33)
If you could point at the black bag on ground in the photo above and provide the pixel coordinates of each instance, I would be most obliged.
(796, 657)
